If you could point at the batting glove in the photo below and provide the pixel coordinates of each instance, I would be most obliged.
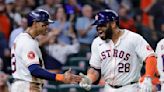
(146, 85)
(85, 82)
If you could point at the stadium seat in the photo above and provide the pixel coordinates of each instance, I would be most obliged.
(74, 69)
(81, 62)
(70, 88)
(96, 88)
(50, 88)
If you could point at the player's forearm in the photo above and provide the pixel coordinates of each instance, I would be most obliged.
(38, 72)
(151, 63)
(93, 75)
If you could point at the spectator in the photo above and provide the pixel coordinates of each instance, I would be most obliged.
(17, 31)
(126, 22)
(160, 33)
(72, 7)
(156, 15)
(14, 16)
(20, 5)
(61, 51)
(145, 6)
(62, 25)
(51, 63)
(31, 4)
(149, 35)
(113, 4)
(3, 45)
(85, 31)
(98, 5)
(50, 6)
(5, 54)
(55, 53)
(4, 21)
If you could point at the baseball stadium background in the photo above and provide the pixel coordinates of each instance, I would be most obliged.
(65, 45)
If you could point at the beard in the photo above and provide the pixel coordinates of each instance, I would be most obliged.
(108, 33)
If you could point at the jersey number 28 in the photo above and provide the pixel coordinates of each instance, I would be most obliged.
(123, 67)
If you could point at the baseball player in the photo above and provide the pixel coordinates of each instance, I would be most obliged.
(27, 63)
(118, 55)
(160, 62)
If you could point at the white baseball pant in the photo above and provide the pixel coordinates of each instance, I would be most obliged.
(24, 86)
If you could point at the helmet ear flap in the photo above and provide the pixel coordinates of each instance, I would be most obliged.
(117, 21)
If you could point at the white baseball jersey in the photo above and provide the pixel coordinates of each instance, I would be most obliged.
(25, 52)
(120, 63)
(160, 58)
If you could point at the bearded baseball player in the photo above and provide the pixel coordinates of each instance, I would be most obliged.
(117, 55)
(27, 62)
(160, 62)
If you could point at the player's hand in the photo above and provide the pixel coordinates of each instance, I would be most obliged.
(85, 82)
(146, 85)
(71, 78)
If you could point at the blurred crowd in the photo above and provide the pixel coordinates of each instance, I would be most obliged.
(72, 32)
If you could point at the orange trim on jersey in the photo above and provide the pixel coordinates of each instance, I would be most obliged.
(151, 66)
(60, 77)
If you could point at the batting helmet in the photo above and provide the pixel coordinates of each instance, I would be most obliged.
(105, 16)
(38, 15)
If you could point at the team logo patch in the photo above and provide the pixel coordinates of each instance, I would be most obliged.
(148, 47)
(31, 55)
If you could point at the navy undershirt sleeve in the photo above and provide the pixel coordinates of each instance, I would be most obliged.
(38, 72)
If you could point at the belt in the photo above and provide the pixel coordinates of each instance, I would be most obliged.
(119, 86)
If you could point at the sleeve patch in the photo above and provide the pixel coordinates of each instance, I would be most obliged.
(31, 55)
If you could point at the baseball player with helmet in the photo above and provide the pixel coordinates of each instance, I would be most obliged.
(27, 62)
(117, 55)
(160, 62)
